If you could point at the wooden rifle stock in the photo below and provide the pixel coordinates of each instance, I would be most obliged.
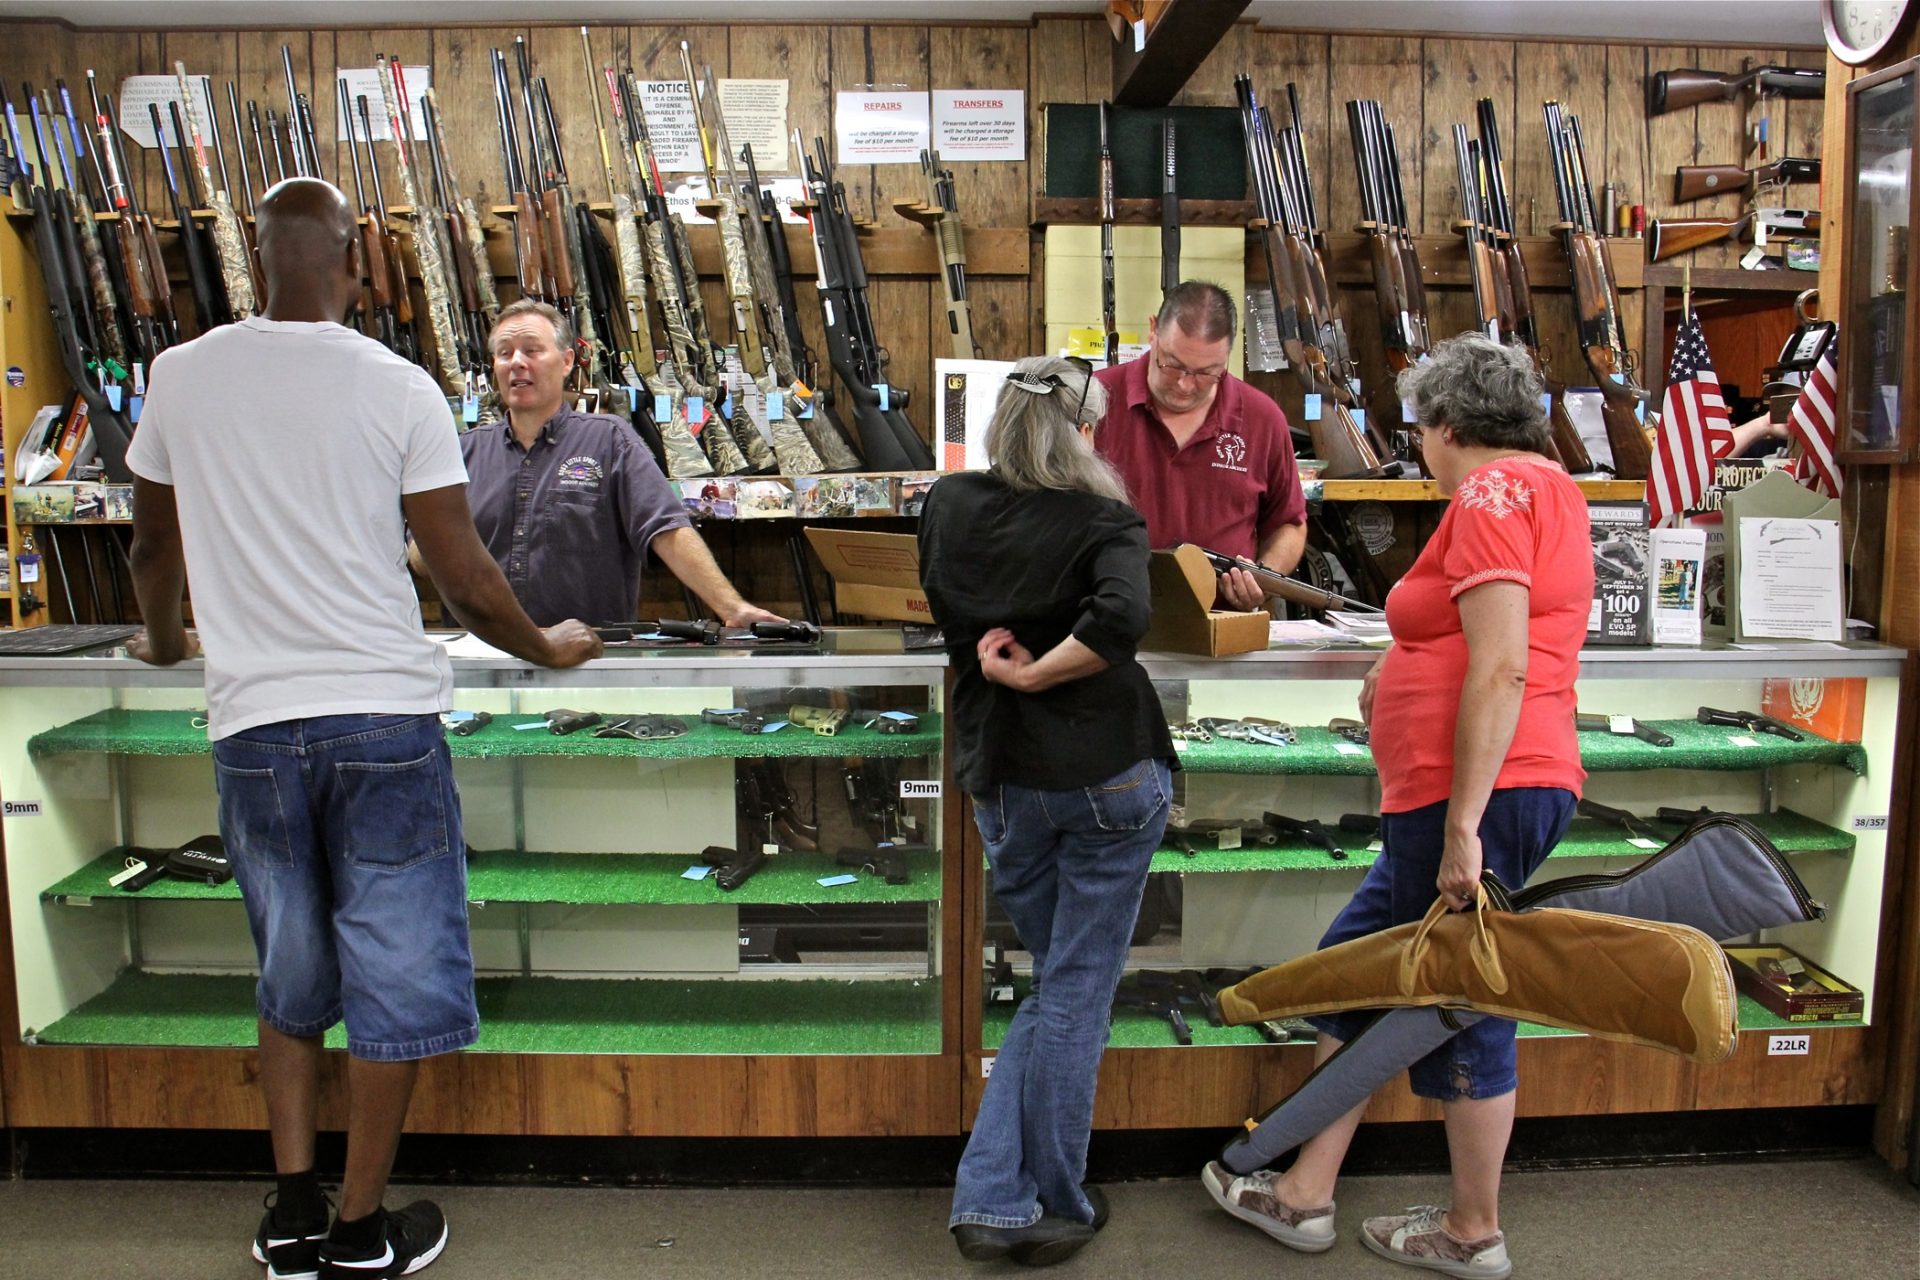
(1698, 181)
(554, 217)
(1568, 447)
(1671, 237)
(1349, 454)
(1691, 86)
(526, 243)
(379, 271)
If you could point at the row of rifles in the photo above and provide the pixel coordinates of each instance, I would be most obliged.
(738, 394)
(1307, 319)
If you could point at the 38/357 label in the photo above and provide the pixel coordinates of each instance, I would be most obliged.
(1793, 1043)
(919, 790)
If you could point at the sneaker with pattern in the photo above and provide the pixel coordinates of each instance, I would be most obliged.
(1255, 1200)
(1419, 1238)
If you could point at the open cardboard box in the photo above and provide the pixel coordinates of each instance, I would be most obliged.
(1182, 584)
(875, 575)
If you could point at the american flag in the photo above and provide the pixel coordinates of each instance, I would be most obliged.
(1811, 428)
(1694, 429)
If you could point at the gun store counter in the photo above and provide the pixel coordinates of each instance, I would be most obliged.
(739, 862)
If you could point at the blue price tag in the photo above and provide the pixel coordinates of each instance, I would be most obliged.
(696, 410)
(662, 408)
(1360, 419)
(1546, 403)
(113, 396)
(1407, 413)
(633, 398)
(1310, 408)
(776, 408)
(806, 408)
(726, 408)
(886, 395)
(696, 873)
(470, 409)
(832, 882)
(774, 726)
(134, 408)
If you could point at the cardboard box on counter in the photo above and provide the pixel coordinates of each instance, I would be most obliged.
(1832, 706)
(1182, 585)
(876, 575)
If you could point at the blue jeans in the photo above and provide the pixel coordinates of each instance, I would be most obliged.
(1069, 868)
(1520, 827)
(345, 837)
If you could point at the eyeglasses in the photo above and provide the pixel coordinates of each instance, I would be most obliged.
(1174, 369)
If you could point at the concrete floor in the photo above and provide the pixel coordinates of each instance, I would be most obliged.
(1805, 1220)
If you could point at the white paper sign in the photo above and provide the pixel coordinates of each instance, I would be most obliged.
(682, 196)
(365, 82)
(756, 114)
(786, 193)
(966, 392)
(669, 112)
(1679, 562)
(1790, 578)
(880, 128)
(980, 124)
(139, 92)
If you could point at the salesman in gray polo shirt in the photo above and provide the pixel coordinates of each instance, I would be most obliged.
(569, 503)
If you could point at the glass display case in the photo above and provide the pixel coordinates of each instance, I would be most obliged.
(1880, 268)
(740, 854)
(1274, 824)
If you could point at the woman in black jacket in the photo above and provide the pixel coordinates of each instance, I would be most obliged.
(1036, 570)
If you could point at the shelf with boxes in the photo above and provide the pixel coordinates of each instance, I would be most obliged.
(603, 916)
(1213, 912)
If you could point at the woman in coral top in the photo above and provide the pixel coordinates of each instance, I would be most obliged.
(1472, 713)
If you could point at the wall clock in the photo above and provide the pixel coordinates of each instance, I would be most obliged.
(1859, 30)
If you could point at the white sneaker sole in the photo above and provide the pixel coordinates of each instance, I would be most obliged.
(1292, 1237)
(1446, 1266)
(420, 1263)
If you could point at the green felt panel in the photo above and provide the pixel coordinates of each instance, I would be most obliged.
(171, 733)
(1587, 838)
(1134, 1029)
(594, 879)
(1212, 151)
(556, 1015)
(1695, 746)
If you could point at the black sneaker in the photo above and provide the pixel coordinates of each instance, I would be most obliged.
(413, 1238)
(289, 1250)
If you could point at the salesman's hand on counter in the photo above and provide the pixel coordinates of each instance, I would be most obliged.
(164, 654)
(748, 614)
(571, 643)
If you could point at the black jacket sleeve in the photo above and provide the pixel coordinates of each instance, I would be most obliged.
(1115, 612)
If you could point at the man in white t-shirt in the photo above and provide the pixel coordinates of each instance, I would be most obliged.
(281, 462)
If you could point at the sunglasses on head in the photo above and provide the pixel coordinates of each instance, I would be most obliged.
(1047, 384)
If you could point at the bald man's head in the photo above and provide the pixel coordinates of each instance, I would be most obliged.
(307, 242)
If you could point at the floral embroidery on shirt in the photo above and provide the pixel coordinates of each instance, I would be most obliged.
(1495, 492)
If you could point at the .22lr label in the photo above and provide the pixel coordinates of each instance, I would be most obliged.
(1791, 1043)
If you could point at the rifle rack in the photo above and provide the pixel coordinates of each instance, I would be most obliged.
(1084, 211)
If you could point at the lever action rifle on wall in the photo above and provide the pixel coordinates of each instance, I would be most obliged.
(1698, 181)
(1514, 290)
(1337, 438)
(1690, 86)
(888, 441)
(1596, 299)
(1671, 237)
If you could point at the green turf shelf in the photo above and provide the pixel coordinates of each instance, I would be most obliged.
(1137, 1029)
(557, 1015)
(587, 879)
(1587, 838)
(1319, 752)
(171, 733)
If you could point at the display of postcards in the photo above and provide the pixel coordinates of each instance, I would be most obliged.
(89, 501)
(759, 499)
(913, 491)
(711, 498)
(1793, 986)
(42, 504)
(119, 501)
(823, 497)
(1622, 591)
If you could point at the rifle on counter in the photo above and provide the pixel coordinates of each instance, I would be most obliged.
(1514, 288)
(1348, 451)
(888, 441)
(1169, 208)
(76, 326)
(953, 254)
(436, 281)
(1289, 589)
(1698, 181)
(1596, 299)
(1670, 237)
(1109, 321)
(1691, 86)
(229, 244)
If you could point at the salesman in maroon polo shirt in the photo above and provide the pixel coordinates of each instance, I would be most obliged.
(1206, 458)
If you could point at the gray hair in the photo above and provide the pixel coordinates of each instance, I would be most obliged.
(562, 331)
(1487, 392)
(1203, 310)
(1034, 441)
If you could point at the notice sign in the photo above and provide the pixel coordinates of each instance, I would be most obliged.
(137, 93)
(1791, 579)
(756, 115)
(364, 82)
(880, 128)
(980, 124)
(669, 112)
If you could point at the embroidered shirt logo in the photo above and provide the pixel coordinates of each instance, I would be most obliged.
(581, 472)
(1495, 492)
(1230, 452)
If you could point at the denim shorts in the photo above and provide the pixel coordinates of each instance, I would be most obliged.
(1520, 827)
(345, 837)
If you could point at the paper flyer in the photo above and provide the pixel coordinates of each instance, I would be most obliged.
(365, 82)
(1791, 579)
(138, 92)
(880, 128)
(1679, 566)
(980, 124)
